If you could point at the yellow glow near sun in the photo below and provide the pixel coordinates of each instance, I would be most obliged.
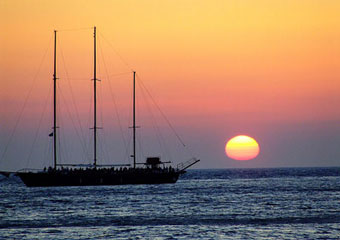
(242, 147)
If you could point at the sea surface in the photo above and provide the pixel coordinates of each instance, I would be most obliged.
(281, 203)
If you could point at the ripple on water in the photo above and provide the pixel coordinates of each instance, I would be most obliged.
(206, 205)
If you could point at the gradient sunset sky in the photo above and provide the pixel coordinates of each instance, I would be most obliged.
(267, 69)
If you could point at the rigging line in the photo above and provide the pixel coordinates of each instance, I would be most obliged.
(63, 147)
(39, 125)
(25, 101)
(129, 133)
(113, 97)
(162, 113)
(155, 124)
(78, 78)
(82, 137)
(48, 144)
(69, 113)
(141, 152)
(158, 134)
(105, 152)
(161, 137)
(139, 133)
(118, 74)
(100, 149)
(127, 150)
(63, 153)
(47, 151)
(129, 137)
(121, 58)
(102, 140)
(74, 29)
(60, 149)
(89, 140)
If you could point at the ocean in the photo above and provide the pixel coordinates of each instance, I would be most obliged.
(280, 203)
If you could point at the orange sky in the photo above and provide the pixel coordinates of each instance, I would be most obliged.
(248, 63)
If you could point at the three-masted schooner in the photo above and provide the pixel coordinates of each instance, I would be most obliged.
(153, 171)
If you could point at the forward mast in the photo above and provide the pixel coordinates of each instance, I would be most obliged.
(55, 102)
(95, 100)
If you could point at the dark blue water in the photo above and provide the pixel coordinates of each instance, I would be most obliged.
(287, 203)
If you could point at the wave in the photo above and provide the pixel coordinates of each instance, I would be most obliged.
(163, 221)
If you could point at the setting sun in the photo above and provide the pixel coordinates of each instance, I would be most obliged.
(242, 148)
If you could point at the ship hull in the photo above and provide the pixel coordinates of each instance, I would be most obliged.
(93, 178)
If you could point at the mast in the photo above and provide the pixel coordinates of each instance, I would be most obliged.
(134, 119)
(55, 102)
(95, 101)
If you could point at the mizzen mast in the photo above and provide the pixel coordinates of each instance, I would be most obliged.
(134, 119)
